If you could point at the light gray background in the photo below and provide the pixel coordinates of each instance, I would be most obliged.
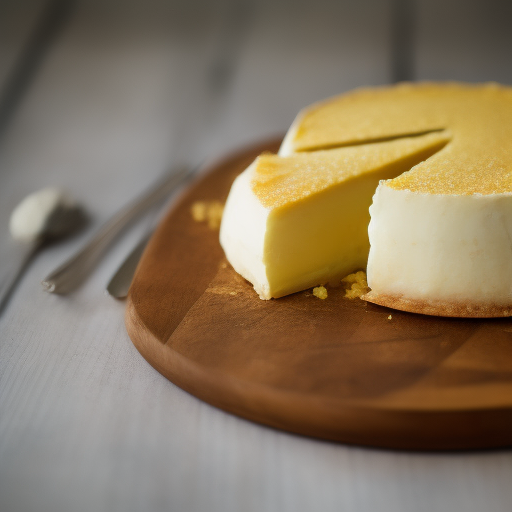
(85, 423)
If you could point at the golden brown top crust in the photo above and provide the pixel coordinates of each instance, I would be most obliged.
(478, 160)
(279, 181)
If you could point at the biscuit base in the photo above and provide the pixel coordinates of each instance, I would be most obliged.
(440, 307)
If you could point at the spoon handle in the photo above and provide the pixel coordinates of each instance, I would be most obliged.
(19, 263)
(71, 273)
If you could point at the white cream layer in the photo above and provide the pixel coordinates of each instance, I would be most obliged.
(441, 247)
(242, 232)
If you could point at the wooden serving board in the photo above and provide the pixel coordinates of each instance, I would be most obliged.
(337, 369)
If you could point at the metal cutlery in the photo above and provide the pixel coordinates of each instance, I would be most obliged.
(120, 282)
(63, 219)
(68, 276)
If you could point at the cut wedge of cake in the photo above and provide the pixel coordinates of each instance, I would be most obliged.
(293, 222)
(440, 157)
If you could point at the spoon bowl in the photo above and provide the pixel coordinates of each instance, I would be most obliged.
(42, 218)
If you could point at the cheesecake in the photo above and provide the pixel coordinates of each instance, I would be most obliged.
(294, 222)
(413, 182)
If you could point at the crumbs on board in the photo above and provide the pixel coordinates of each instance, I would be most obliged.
(320, 292)
(356, 285)
(208, 211)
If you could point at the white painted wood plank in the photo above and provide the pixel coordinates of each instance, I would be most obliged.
(17, 20)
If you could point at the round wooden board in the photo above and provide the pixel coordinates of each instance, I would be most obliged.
(336, 369)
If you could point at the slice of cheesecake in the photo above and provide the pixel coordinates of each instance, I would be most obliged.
(294, 222)
(441, 219)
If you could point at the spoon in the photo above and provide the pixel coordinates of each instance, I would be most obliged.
(42, 217)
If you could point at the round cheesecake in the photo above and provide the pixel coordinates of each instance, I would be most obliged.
(437, 161)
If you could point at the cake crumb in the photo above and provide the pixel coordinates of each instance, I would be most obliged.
(390, 317)
(356, 285)
(320, 292)
(208, 211)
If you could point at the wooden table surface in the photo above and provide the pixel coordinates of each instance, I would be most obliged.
(124, 90)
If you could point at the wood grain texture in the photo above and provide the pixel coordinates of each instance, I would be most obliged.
(338, 369)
